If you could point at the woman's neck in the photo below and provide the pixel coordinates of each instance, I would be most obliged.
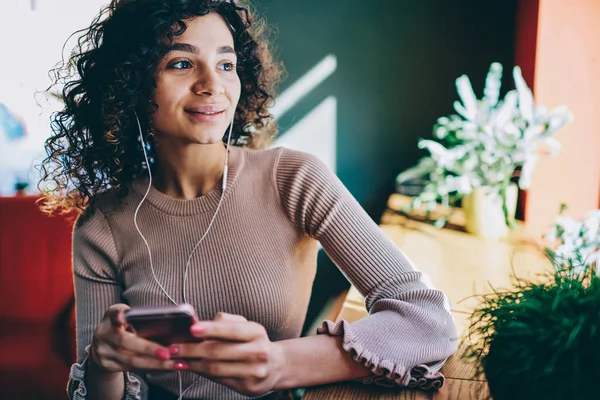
(188, 172)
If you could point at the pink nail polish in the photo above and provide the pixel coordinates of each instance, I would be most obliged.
(162, 354)
(180, 365)
(173, 350)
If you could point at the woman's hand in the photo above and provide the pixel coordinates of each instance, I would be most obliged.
(115, 350)
(234, 352)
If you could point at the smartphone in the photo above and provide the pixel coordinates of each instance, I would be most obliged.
(164, 325)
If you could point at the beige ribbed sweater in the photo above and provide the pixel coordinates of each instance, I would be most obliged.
(259, 261)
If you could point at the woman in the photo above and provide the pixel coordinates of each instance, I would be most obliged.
(203, 219)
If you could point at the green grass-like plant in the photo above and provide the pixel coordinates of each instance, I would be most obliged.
(541, 340)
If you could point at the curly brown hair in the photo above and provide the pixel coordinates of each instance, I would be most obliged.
(111, 75)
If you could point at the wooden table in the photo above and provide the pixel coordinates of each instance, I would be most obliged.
(460, 384)
(462, 266)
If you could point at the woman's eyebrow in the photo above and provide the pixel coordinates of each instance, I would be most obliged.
(190, 48)
(225, 50)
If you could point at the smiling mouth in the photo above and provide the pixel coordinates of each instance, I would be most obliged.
(206, 112)
(206, 116)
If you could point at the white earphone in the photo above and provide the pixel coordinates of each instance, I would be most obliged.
(187, 264)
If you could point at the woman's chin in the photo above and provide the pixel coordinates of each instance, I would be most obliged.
(208, 136)
(203, 138)
(207, 140)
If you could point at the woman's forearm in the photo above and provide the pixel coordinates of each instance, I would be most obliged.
(316, 360)
(102, 384)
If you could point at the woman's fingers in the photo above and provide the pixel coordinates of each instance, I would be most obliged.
(231, 370)
(242, 331)
(141, 363)
(115, 314)
(221, 316)
(135, 355)
(121, 360)
(134, 344)
(230, 346)
(221, 351)
(115, 349)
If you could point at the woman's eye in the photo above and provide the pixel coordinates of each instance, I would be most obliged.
(227, 67)
(180, 65)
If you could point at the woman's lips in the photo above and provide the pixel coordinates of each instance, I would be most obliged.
(205, 115)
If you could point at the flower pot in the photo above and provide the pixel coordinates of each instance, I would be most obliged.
(484, 215)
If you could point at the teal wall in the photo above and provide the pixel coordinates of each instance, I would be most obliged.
(397, 62)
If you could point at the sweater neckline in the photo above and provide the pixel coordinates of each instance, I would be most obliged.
(199, 205)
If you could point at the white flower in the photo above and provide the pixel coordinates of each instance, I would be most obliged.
(525, 96)
(527, 171)
(570, 238)
(443, 120)
(424, 167)
(468, 131)
(506, 109)
(552, 144)
(445, 158)
(487, 139)
(468, 108)
(459, 184)
(441, 132)
(493, 82)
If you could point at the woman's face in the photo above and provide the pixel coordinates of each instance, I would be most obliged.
(197, 84)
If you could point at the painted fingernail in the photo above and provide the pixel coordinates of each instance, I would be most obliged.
(173, 350)
(197, 330)
(162, 354)
(180, 365)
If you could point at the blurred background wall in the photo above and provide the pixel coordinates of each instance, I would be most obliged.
(396, 65)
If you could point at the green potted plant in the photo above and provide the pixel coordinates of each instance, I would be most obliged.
(541, 340)
(478, 151)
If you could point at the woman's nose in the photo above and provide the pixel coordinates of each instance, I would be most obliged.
(208, 84)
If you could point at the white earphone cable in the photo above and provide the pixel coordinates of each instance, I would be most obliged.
(224, 186)
(138, 209)
(187, 265)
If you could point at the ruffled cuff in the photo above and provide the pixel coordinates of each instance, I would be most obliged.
(385, 372)
(76, 389)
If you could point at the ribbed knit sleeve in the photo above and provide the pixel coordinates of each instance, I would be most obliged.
(97, 287)
(409, 332)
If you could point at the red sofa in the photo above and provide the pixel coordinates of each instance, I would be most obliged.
(37, 340)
